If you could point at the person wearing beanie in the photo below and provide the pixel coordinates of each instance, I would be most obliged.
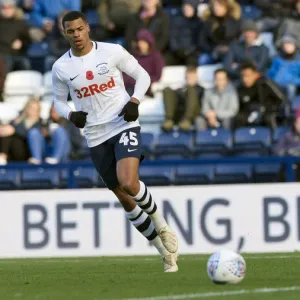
(249, 48)
(285, 68)
(183, 35)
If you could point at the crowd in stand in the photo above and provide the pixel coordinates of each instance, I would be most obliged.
(252, 88)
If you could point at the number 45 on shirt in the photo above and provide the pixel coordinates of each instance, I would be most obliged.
(132, 140)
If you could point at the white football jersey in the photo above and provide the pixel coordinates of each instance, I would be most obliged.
(96, 86)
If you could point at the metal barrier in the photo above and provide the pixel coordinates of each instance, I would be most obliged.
(288, 161)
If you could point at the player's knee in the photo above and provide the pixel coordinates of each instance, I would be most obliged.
(130, 186)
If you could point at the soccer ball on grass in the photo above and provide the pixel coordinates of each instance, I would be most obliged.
(226, 266)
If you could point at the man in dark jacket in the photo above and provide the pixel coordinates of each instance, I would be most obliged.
(260, 99)
(14, 37)
(153, 18)
(250, 48)
(183, 36)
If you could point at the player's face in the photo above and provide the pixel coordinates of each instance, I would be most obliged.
(77, 33)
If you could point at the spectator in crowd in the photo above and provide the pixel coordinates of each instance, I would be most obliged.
(285, 68)
(219, 105)
(89, 5)
(58, 45)
(183, 36)
(14, 37)
(152, 17)
(45, 12)
(148, 57)
(15, 137)
(250, 48)
(183, 104)
(26, 5)
(275, 11)
(221, 26)
(60, 139)
(289, 143)
(2, 77)
(114, 15)
(260, 99)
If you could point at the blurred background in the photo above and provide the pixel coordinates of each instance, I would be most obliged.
(223, 106)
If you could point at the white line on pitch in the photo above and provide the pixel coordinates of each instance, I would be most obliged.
(129, 259)
(219, 294)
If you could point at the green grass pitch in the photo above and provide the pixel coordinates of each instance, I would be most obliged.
(269, 276)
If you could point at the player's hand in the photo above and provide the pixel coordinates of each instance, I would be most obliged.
(130, 111)
(78, 118)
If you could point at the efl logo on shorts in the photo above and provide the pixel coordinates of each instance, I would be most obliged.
(90, 90)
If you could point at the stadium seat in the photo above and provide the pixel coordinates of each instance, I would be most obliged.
(23, 83)
(8, 112)
(38, 50)
(157, 175)
(252, 139)
(147, 143)
(85, 177)
(152, 111)
(47, 83)
(9, 179)
(92, 17)
(171, 157)
(194, 174)
(214, 141)
(267, 172)
(45, 110)
(206, 74)
(296, 103)
(174, 143)
(233, 173)
(172, 76)
(39, 178)
(250, 12)
(279, 132)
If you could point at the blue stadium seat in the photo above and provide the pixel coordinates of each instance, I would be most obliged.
(250, 12)
(209, 155)
(85, 177)
(171, 157)
(252, 139)
(38, 50)
(174, 143)
(194, 174)
(267, 172)
(279, 132)
(147, 143)
(233, 173)
(296, 103)
(92, 17)
(39, 178)
(213, 141)
(157, 175)
(9, 179)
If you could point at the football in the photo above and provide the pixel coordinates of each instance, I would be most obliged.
(226, 266)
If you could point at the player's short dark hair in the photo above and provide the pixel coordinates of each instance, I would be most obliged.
(221, 70)
(191, 68)
(248, 65)
(73, 15)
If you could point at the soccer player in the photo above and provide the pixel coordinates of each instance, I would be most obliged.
(92, 73)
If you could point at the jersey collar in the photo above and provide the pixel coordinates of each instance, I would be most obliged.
(95, 46)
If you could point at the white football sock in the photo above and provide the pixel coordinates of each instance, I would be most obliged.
(144, 200)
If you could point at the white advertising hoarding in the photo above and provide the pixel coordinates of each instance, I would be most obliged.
(266, 218)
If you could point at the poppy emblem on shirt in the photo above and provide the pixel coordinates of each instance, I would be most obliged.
(89, 75)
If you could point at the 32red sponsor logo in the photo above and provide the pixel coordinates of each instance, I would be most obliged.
(90, 90)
